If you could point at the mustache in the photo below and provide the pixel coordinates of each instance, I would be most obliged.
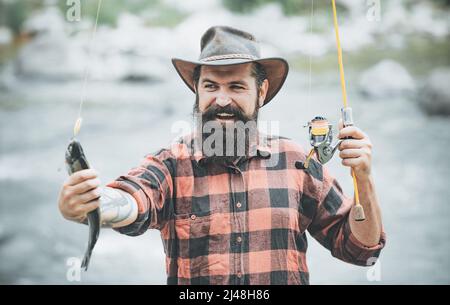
(213, 110)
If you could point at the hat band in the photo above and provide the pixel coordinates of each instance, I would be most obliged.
(229, 56)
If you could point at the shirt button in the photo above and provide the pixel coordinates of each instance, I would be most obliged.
(239, 239)
(193, 216)
(239, 205)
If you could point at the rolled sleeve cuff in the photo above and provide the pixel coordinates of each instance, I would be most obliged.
(361, 254)
(140, 225)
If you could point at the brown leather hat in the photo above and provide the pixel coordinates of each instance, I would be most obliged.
(223, 45)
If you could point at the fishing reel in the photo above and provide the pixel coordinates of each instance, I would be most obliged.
(321, 138)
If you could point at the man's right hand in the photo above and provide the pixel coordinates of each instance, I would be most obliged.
(79, 195)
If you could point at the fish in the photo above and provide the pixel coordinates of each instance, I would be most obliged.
(75, 161)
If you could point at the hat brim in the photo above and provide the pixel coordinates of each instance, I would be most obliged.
(276, 69)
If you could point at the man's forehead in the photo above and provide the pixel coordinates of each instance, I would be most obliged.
(242, 69)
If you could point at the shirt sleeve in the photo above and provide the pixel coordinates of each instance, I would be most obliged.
(331, 227)
(151, 185)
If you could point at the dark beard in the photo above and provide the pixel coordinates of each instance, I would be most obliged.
(214, 134)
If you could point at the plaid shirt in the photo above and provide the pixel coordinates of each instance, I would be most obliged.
(242, 223)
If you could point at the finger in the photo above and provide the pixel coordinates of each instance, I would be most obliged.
(81, 176)
(86, 186)
(353, 144)
(88, 196)
(353, 162)
(340, 124)
(351, 153)
(76, 218)
(89, 206)
(351, 132)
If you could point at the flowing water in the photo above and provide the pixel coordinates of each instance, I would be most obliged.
(125, 121)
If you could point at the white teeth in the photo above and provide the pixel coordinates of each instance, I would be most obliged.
(225, 114)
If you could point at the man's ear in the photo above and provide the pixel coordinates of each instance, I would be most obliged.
(263, 92)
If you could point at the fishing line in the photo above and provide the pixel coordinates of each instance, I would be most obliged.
(79, 120)
(310, 53)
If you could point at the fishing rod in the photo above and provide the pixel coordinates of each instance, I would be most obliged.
(320, 130)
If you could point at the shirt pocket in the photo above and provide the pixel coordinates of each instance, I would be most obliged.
(200, 237)
(194, 225)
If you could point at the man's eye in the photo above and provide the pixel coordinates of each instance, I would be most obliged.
(237, 87)
(209, 86)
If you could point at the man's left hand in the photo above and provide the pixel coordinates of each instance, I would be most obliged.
(357, 151)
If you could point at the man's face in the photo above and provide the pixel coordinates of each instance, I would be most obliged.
(229, 93)
(227, 100)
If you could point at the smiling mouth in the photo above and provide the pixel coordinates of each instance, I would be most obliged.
(225, 116)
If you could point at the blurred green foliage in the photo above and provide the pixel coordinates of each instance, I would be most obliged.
(290, 7)
(418, 48)
(13, 13)
(302, 7)
(156, 12)
(444, 3)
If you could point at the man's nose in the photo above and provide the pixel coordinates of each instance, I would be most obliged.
(222, 100)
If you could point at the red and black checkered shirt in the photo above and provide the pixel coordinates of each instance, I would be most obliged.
(243, 222)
